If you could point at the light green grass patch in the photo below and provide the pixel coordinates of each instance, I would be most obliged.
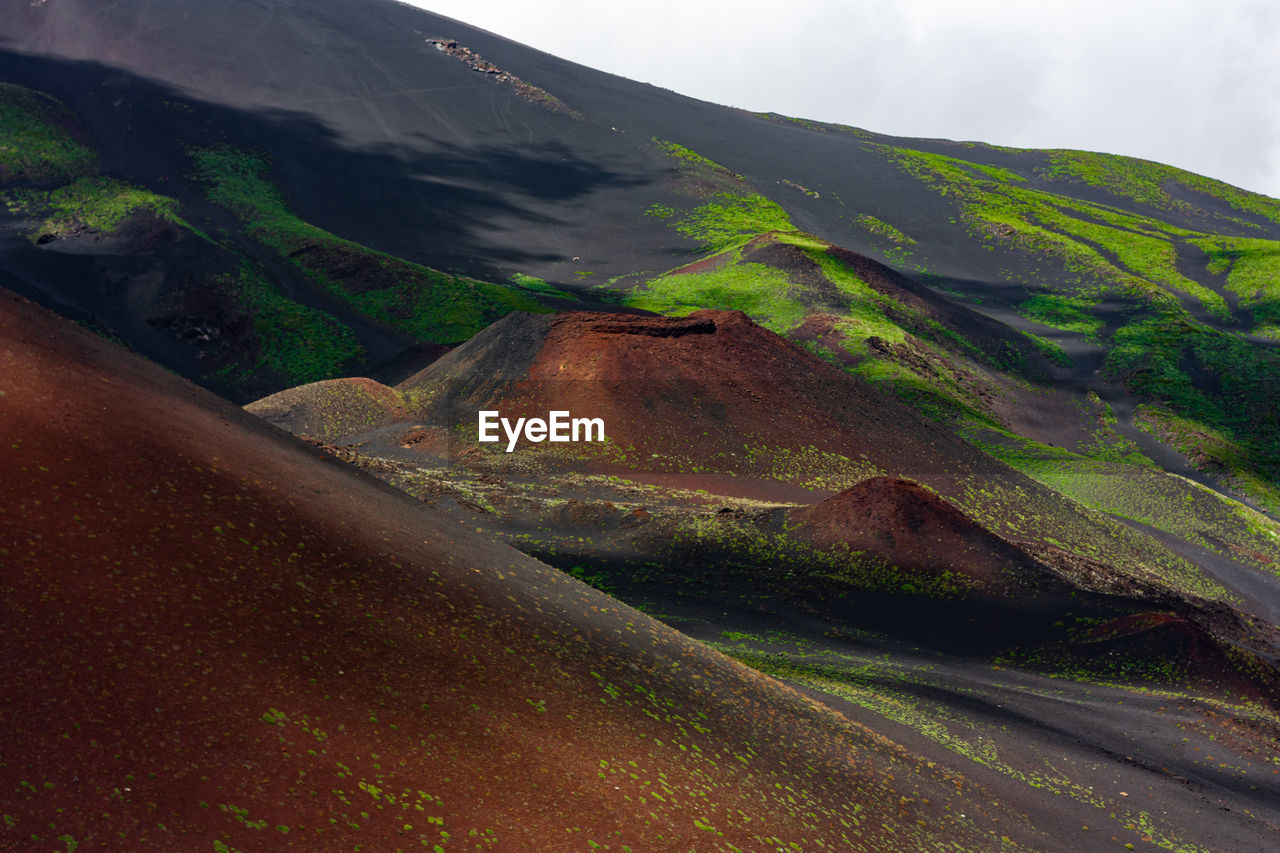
(34, 142)
(100, 204)
(757, 290)
(427, 304)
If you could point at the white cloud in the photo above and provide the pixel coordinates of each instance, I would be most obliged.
(1192, 84)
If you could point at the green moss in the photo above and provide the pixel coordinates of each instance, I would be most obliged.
(1215, 451)
(882, 229)
(1149, 183)
(428, 304)
(1058, 311)
(732, 211)
(1149, 255)
(690, 157)
(100, 204)
(850, 307)
(761, 292)
(1216, 384)
(1052, 350)
(740, 547)
(35, 143)
(730, 219)
(299, 343)
(538, 285)
(1101, 248)
(1253, 271)
(1131, 488)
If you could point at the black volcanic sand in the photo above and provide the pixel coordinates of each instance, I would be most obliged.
(383, 139)
(376, 135)
(1096, 756)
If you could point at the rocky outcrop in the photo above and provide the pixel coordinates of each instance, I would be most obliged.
(481, 65)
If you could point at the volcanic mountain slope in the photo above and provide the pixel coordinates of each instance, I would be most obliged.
(215, 637)
(712, 401)
(886, 600)
(710, 410)
(373, 176)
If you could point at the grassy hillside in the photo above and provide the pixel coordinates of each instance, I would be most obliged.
(1176, 296)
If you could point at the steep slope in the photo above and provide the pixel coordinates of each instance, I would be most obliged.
(382, 175)
(1087, 684)
(215, 637)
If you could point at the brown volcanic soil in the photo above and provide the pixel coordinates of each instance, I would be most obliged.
(702, 388)
(332, 409)
(915, 530)
(713, 393)
(1163, 644)
(213, 634)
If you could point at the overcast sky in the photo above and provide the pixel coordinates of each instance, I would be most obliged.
(1194, 84)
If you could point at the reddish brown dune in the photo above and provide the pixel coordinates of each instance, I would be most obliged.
(822, 329)
(709, 391)
(917, 531)
(216, 639)
(333, 409)
(1169, 646)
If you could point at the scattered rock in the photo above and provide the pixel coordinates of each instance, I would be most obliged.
(525, 90)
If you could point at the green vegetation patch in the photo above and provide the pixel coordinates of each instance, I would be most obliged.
(1139, 249)
(99, 204)
(1253, 271)
(732, 211)
(36, 144)
(1100, 248)
(760, 291)
(1131, 488)
(425, 303)
(1219, 379)
(300, 343)
(740, 547)
(538, 285)
(1213, 451)
(730, 217)
(1052, 350)
(1149, 183)
(692, 158)
(1237, 388)
(1218, 392)
(883, 229)
(1059, 311)
(892, 342)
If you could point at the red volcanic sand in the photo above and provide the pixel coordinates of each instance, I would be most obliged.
(703, 391)
(914, 529)
(213, 634)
